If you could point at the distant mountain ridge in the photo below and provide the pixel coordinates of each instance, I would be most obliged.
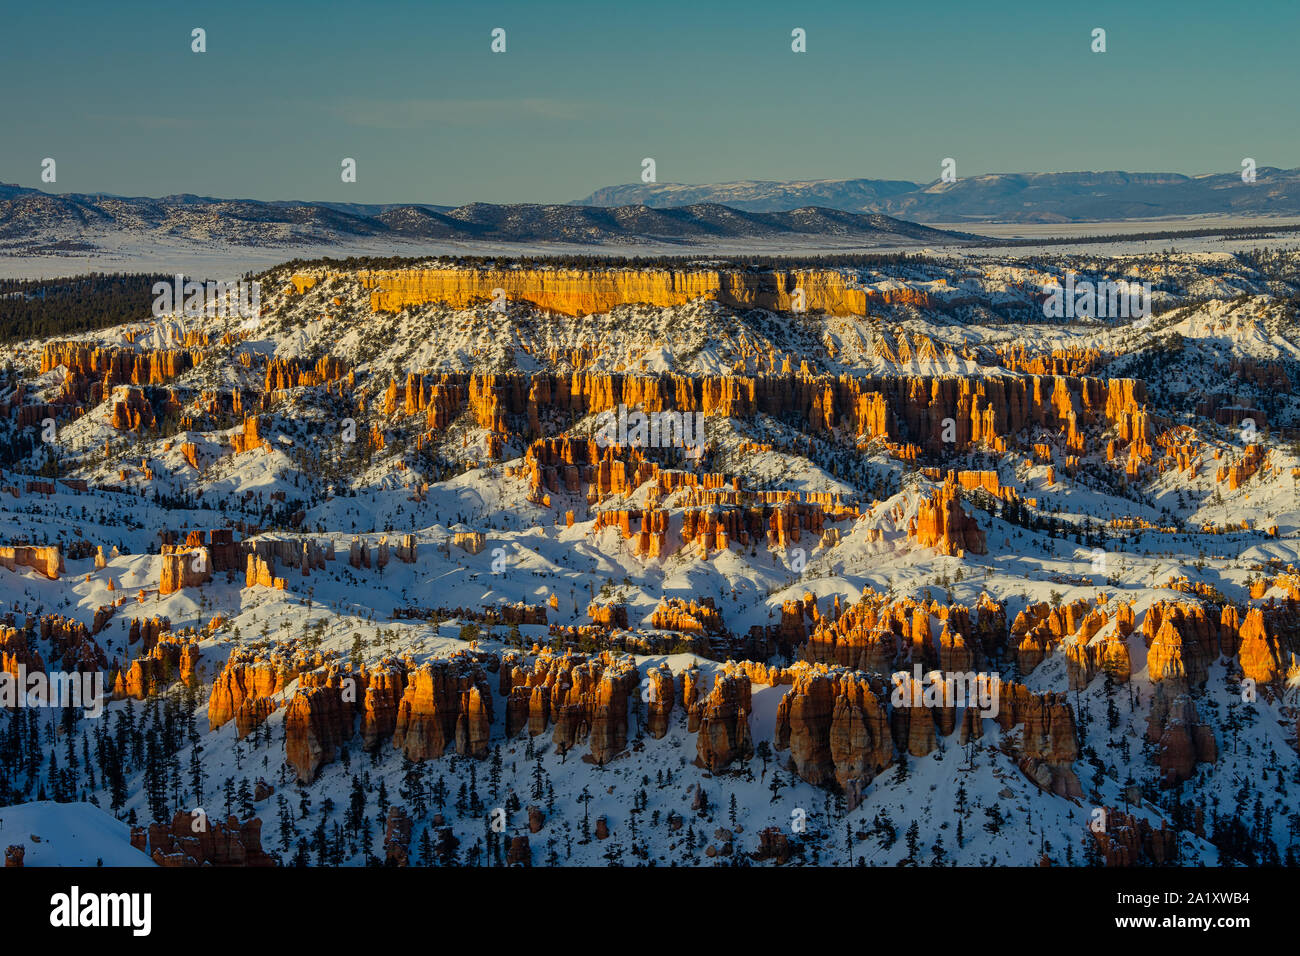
(31, 217)
(997, 197)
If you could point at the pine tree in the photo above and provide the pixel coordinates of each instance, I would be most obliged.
(539, 780)
(494, 773)
(196, 774)
(938, 854)
(286, 822)
(913, 841)
(585, 799)
(475, 801)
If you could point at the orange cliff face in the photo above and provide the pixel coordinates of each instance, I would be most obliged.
(584, 292)
(1182, 640)
(565, 691)
(424, 711)
(1074, 360)
(925, 410)
(1039, 628)
(47, 560)
(585, 699)
(1084, 660)
(183, 568)
(445, 704)
(248, 439)
(320, 718)
(879, 633)
(117, 366)
(282, 373)
(148, 631)
(244, 689)
(131, 410)
(835, 726)
(723, 722)
(676, 614)
(942, 524)
(1050, 743)
(663, 693)
(16, 652)
(172, 659)
(1262, 648)
(1237, 472)
(71, 644)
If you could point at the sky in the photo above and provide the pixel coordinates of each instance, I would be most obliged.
(585, 91)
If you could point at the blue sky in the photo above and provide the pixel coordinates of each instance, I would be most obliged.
(585, 90)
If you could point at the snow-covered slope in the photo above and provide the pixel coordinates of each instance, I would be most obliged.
(1115, 474)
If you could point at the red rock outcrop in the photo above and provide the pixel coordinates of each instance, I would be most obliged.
(1049, 745)
(319, 719)
(112, 366)
(148, 631)
(249, 438)
(131, 411)
(43, 560)
(834, 725)
(397, 837)
(16, 652)
(1040, 628)
(284, 373)
(193, 841)
(773, 844)
(608, 615)
(1181, 641)
(724, 723)
(1259, 650)
(172, 659)
(1182, 740)
(72, 646)
(662, 693)
(878, 634)
(1129, 841)
(589, 702)
(471, 541)
(519, 853)
(983, 410)
(385, 685)
(1085, 660)
(184, 568)
(693, 617)
(445, 703)
(942, 524)
(247, 688)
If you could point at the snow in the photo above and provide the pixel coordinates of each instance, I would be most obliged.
(1231, 313)
(68, 834)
